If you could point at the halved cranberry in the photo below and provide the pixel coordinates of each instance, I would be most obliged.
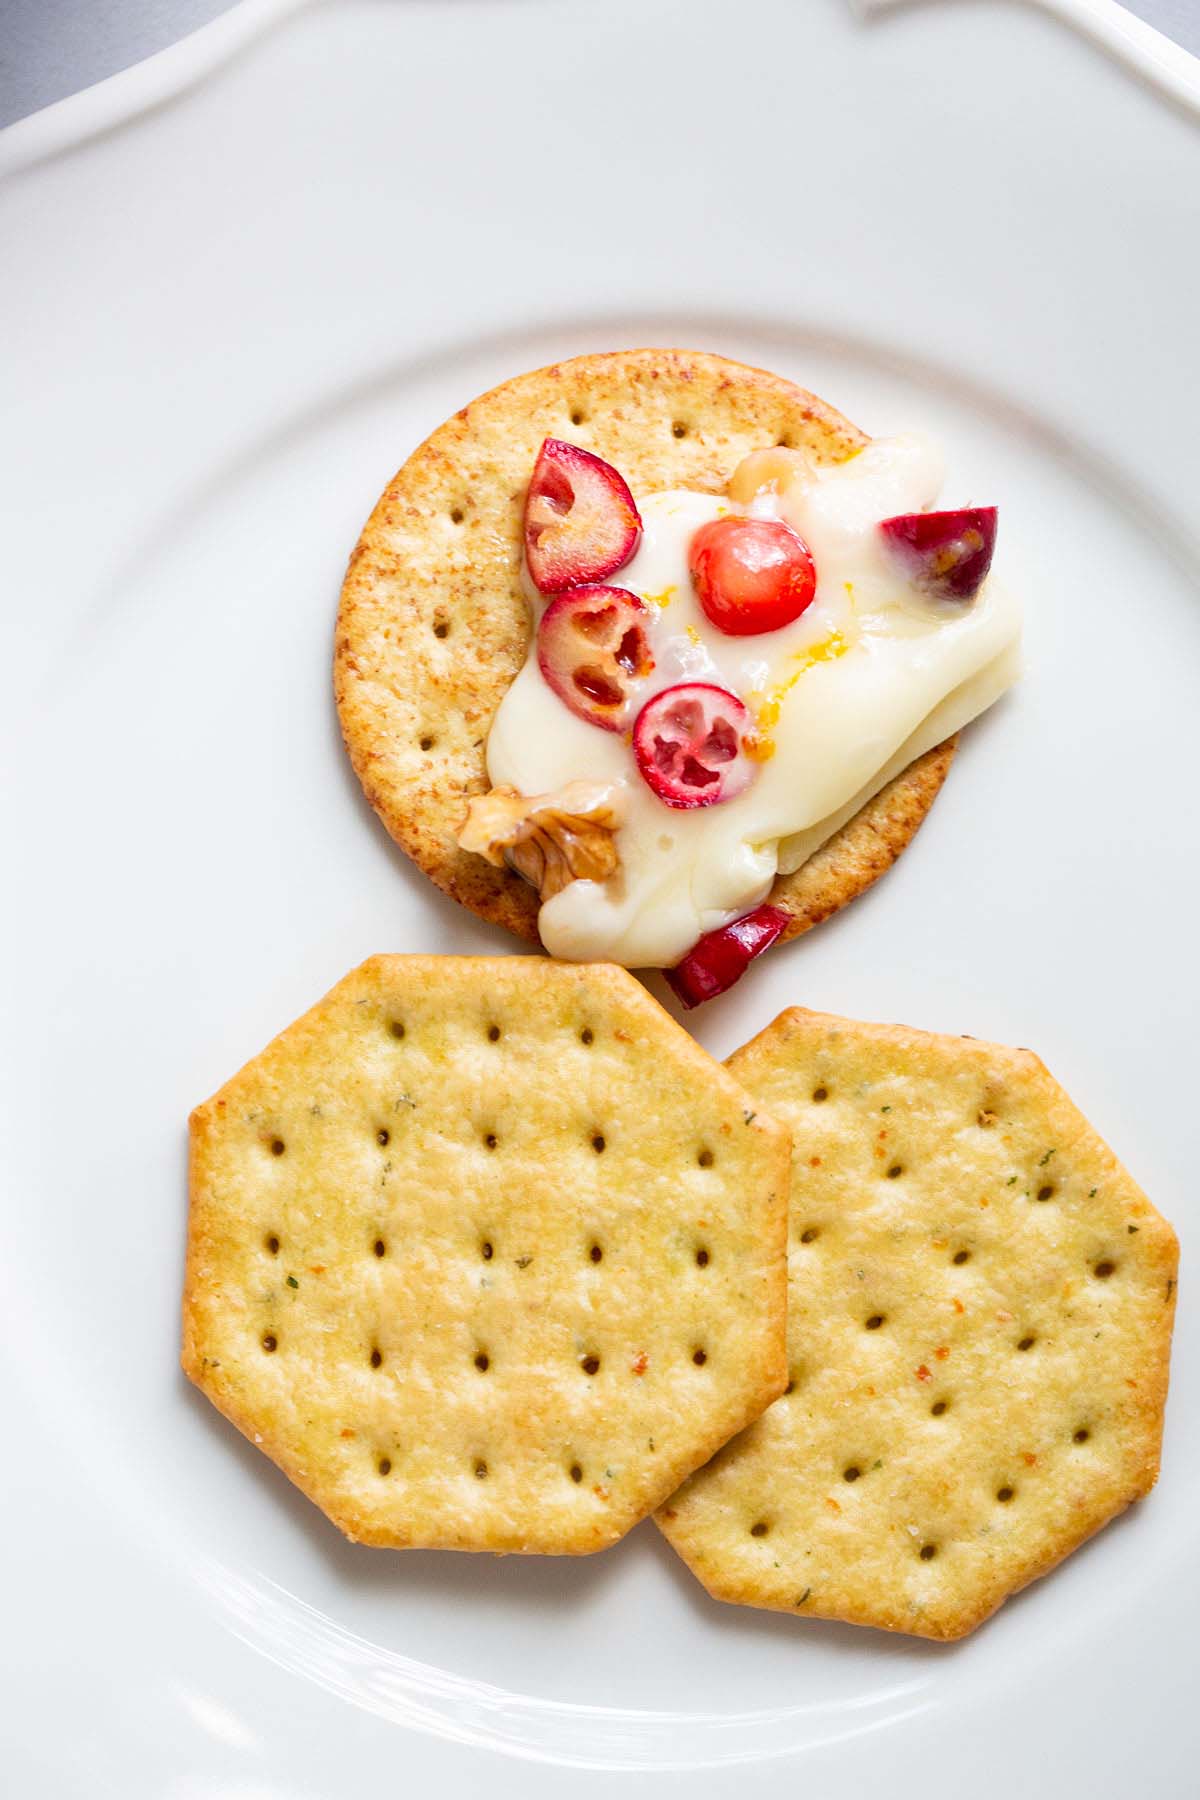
(581, 524)
(688, 745)
(945, 554)
(592, 648)
(722, 957)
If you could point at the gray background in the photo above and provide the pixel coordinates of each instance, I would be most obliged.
(50, 48)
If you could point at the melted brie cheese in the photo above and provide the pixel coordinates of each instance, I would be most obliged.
(870, 676)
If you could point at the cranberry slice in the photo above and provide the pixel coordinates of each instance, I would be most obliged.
(722, 957)
(592, 648)
(688, 745)
(945, 554)
(581, 524)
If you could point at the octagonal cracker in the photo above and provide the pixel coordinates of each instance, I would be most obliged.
(486, 1253)
(980, 1311)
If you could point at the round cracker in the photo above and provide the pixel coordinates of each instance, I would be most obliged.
(433, 625)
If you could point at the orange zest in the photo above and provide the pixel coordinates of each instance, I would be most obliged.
(767, 707)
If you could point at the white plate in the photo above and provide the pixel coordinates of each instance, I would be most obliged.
(241, 283)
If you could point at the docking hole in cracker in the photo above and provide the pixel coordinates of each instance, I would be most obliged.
(444, 1254)
(685, 673)
(980, 1310)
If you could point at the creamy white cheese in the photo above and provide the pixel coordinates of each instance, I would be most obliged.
(869, 677)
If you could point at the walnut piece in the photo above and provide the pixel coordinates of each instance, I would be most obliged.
(770, 471)
(550, 839)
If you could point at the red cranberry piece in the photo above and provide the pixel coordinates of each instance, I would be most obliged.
(751, 575)
(945, 554)
(581, 524)
(688, 742)
(592, 648)
(722, 957)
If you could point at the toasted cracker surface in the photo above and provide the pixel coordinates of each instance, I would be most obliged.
(980, 1311)
(433, 628)
(486, 1253)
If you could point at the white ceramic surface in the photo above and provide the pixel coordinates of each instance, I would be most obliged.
(240, 283)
